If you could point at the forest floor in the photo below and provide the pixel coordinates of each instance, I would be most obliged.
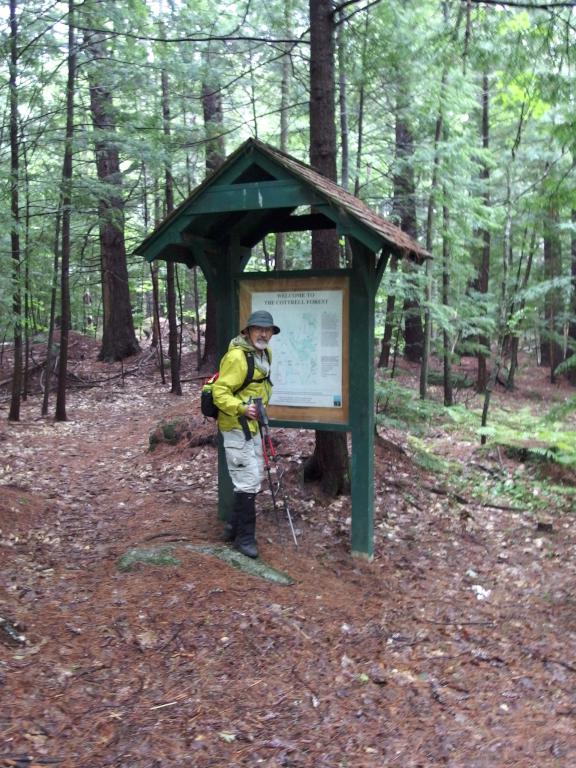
(455, 646)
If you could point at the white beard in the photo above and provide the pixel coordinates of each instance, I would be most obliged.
(261, 344)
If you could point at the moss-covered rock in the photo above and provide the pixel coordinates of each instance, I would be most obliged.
(165, 556)
(137, 556)
(253, 567)
(170, 432)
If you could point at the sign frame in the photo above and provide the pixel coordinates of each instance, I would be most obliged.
(250, 285)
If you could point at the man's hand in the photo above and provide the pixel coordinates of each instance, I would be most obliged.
(251, 411)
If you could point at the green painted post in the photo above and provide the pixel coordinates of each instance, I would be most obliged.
(362, 296)
(225, 488)
(227, 322)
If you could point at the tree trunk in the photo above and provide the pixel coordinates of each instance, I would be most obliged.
(413, 330)
(212, 111)
(448, 394)
(551, 345)
(154, 277)
(60, 414)
(196, 294)
(343, 104)
(156, 327)
(427, 331)
(118, 335)
(215, 156)
(52, 321)
(489, 388)
(14, 413)
(173, 336)
(515, 334)
(484, 268)
(429, 240)
(384, 360)
(572, 323)
(28, 316)
(173, 352)
(361, 98)
(404, 208)
(329, 463)
(280, 240)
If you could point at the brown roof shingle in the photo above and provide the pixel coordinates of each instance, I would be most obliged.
(392, 234)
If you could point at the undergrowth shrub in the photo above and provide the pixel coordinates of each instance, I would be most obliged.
(545, 437)
(401, 408)
(530, 437)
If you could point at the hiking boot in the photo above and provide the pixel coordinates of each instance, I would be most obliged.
(231, 525)
(248, 548)
(229, 533)
(245, 541)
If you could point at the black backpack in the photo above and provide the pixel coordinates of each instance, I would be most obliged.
(207, 406)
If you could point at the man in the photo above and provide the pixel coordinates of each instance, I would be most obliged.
(238, 422)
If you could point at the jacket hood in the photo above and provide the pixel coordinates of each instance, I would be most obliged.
(261, 361)
(240, 342)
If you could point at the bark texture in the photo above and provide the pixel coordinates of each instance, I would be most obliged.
(118, 335)
(67, 169)
(329, 462)
(572, 323)
(405, 212)
(215, 156)
(551, 347)
(484, 267)
(14, 413)
(173, 338)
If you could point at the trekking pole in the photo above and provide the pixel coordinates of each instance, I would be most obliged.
(268, 448)
(269, 473)
(266, 461)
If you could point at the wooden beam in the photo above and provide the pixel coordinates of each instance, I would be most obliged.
(304, 223)
(253, 227)
(350, 226)
(253, 196)
(196, 241)
(381, 266)
(162, 242)
(286, 223)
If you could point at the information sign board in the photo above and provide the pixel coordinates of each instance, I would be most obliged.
(310, 355)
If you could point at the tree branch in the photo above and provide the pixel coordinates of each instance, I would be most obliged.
(527, 5)
(341, 7)
(193, 39)
(350, 15)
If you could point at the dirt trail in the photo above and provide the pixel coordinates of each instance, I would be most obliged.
(455, 647)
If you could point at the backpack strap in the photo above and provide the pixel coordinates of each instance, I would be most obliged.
(250, 372)
(248, 380)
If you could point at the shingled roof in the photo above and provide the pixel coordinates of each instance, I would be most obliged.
(392, 234)
(244, 168)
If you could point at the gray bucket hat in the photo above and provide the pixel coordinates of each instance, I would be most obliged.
(262, 319)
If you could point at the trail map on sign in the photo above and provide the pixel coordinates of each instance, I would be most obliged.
(307, 368)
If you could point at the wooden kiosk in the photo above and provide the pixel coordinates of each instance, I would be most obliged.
(260, 190)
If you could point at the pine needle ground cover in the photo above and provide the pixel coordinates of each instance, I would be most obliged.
(455, 646)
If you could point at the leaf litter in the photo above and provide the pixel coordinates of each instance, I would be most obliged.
(454, 647)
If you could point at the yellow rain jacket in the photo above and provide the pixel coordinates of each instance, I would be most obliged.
(233, 371)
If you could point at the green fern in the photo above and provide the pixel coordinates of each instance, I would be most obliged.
(401, 408)
(544, 437)
(427, 459)
(539, 437)
(562, 411)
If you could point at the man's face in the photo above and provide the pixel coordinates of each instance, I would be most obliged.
(259, 337)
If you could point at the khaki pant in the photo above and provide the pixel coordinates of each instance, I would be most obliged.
(244, 460)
